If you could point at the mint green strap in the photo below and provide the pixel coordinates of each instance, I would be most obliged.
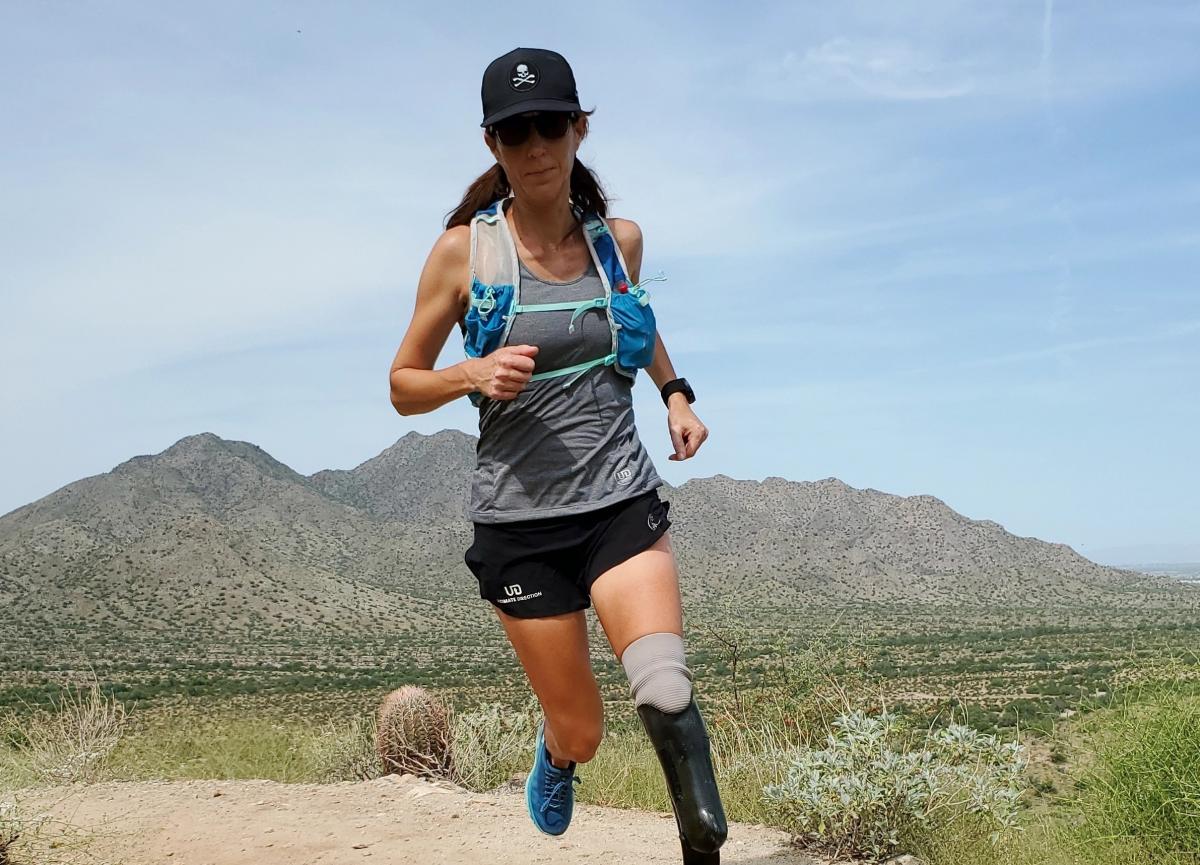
(545, 307)
(577, 307)
(579, 369)
(643, 296)
(486, 303)
(584, 307)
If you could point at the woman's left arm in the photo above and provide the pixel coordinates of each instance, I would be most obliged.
(687, 431)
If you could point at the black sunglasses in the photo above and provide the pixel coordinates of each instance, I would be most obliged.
(513, 131)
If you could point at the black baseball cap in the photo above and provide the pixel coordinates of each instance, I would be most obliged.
(527, 79)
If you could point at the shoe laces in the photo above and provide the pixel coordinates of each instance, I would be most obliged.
(554, 796)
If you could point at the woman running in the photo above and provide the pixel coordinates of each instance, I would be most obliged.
(564, 499)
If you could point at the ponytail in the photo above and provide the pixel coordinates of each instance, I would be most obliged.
(485, 189)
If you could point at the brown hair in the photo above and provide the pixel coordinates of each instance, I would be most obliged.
(586, 192)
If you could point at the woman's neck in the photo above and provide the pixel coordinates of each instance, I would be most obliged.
(544, 229)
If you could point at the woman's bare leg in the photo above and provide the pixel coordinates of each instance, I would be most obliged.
(639, 596)
(554, 652)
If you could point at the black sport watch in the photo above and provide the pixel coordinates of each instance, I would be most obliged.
(678, 385)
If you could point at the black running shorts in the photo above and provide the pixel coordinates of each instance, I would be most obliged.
(545, 567)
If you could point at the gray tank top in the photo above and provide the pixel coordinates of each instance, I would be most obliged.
(555, 451)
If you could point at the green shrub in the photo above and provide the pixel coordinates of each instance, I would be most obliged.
(1143, 785)
(869, 793)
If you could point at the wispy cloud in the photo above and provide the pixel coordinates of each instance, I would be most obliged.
(859, 68)
(1045, 68)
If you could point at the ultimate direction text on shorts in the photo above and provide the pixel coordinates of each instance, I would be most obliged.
(515, 590)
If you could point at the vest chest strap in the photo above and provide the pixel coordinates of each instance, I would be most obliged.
(579, 369)
(579, 307)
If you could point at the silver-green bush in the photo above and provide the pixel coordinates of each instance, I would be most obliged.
(863, 792)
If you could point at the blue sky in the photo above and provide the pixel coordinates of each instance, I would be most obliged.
(939, 248)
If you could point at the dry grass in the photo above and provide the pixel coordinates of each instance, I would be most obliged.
(63, 745)
(42, 747)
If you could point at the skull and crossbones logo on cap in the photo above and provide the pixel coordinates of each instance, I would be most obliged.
(523, 77)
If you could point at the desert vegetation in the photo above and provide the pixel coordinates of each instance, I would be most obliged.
(807, 741)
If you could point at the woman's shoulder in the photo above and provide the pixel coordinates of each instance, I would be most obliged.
(626, 231)
(629, 237)
(449, 261)
(453, 245)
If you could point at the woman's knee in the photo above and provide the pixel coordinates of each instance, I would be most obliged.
(576, 738)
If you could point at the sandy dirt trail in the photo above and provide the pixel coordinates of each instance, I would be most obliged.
(394, 819)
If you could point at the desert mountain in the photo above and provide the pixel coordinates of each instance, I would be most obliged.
(213, 534)
(419, 478)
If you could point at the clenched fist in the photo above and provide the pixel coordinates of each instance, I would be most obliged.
(504, 373)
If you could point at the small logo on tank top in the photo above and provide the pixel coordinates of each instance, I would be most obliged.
(624, 476)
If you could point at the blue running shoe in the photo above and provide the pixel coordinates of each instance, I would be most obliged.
(549, 794)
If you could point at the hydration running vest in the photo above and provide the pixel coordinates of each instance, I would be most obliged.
(496, 297)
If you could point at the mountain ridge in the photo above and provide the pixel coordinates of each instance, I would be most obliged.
(211, 532)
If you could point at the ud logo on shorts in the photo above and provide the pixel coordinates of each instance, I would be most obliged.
(513, 590)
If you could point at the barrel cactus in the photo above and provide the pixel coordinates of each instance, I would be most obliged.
(414, 733)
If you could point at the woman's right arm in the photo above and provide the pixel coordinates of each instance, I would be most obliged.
(416, 387)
